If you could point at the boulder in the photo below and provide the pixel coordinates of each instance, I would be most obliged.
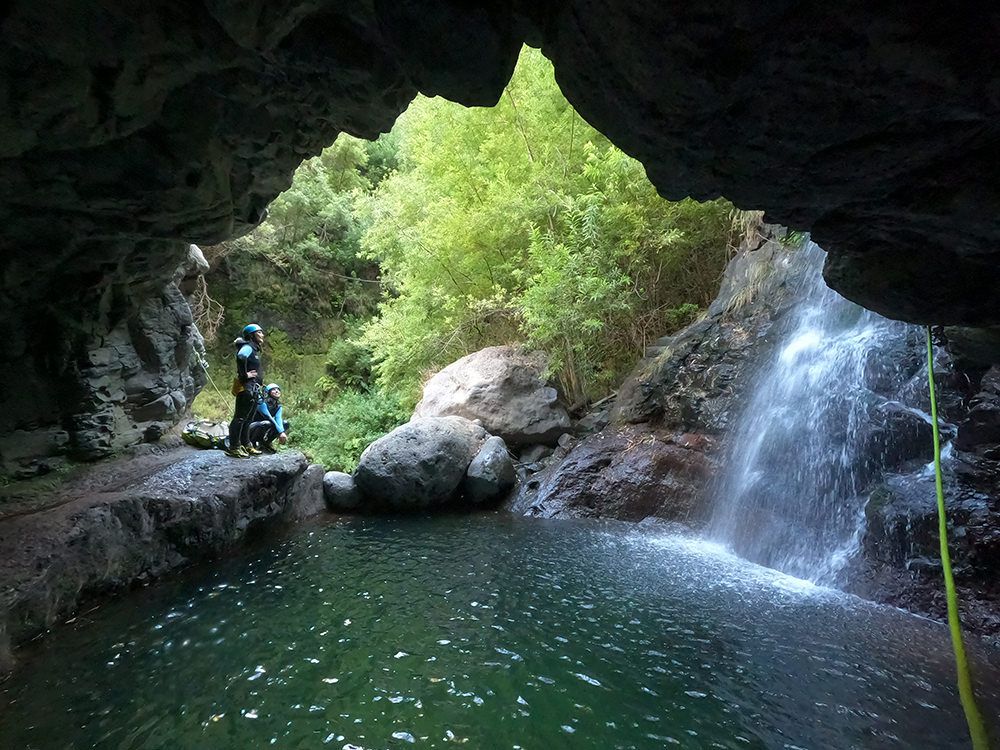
(420, 464)
(307, 493)
(504, 389)
(629, 473)
(491, 475)
(340, 491)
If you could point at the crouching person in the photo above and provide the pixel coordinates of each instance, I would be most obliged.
(270, 422)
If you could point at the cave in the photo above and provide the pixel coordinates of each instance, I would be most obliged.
(129, 132)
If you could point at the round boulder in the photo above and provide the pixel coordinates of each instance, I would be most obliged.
(340, 491)
(420, 464)
(504, 389)
(491, 475)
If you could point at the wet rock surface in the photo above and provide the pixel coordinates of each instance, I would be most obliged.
(979, 428)
(503, 389)
(901, 563)
(632, 472)
(340, 491)
(698, 378)
(491, 475)
(901, 556)
(127, 521)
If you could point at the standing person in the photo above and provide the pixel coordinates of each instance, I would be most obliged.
(246, 388)
(273, 425)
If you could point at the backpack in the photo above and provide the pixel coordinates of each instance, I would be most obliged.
(206, 434)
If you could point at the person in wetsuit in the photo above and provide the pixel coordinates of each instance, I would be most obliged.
(270, 422)
(246, 388)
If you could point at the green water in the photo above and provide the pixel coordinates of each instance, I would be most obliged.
(489, 632)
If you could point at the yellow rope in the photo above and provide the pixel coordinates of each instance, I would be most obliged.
(977, 728)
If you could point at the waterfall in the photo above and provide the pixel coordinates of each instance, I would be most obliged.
(800, 457)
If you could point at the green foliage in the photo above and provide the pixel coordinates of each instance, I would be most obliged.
(301, 265)
(460, 229)
(299, 275)
(521, 223)
(336, 435)
(794, 239)
(348, 365)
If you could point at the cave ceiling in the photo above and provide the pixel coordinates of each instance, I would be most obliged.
(126, 126)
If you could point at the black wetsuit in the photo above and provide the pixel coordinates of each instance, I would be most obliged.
(247, 360)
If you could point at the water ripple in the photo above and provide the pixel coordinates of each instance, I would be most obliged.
(493, 634)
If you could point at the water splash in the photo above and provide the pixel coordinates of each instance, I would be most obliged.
(793, 492)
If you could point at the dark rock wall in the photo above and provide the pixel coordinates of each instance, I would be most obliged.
(128, 129)
(900, 563)
(181, 120)
(90, 380)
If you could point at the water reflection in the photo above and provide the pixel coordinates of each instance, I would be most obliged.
(493, 633)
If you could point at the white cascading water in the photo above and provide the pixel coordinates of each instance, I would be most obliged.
(791, 496)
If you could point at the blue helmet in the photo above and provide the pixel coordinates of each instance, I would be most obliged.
(250, 329)
(270, 387)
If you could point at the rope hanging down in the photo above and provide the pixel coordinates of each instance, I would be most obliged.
(204, 366)
(977, 729)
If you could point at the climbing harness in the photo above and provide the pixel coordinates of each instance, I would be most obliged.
(966, 694)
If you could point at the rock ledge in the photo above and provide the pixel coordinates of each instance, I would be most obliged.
(127, 521)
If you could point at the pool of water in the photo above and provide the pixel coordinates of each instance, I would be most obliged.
(490, 632)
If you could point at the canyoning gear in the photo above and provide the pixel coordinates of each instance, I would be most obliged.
(246, 385)
(204, 434)
(264, 431)
(263, 434)
(246, 388)
(248, 361)
(246, 406)
(240, 452)
(271, 409)
(250, 329)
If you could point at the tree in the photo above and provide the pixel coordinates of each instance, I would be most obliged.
(521, 223)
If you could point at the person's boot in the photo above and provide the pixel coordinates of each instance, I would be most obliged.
(237, 453)
(268, 448)
(252, 451)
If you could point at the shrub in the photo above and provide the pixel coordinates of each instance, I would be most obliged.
(336, 436)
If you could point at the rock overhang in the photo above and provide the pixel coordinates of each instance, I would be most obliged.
(126, 126)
